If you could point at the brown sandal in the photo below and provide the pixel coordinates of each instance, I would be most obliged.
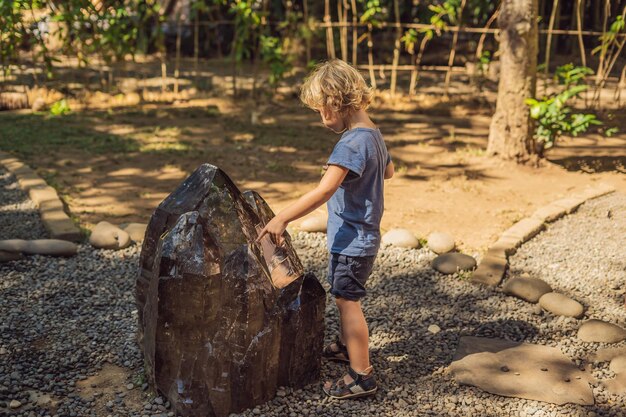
(336, 351)
(363, 385)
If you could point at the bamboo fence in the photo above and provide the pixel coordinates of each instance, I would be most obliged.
(345, 21)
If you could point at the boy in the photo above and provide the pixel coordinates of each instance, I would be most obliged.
(353, 188)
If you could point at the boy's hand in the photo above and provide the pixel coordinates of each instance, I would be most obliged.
(275, 229)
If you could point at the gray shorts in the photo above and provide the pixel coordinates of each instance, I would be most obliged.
(347, 275)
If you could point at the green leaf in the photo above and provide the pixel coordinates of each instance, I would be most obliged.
(535, 112)
(531, 101)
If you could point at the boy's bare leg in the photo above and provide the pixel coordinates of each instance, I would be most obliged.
(355, 334)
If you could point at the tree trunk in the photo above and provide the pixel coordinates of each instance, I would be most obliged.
(396, 49)
(511, 133)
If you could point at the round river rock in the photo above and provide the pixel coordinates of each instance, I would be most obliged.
(136, 231)
(449, 263)
(561, 305)
(108, 236)
(600, 331)
(440, 242)
(527, 288)
(402, 238)
(314, 224)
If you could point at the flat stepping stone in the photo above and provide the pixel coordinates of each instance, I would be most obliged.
(601, 332)
(449, 263)
(13, 245)
(491, 269)
(440, 242)
(617, 385)
(618, 364)
(314, 224)
(402, 238)
(506, 244)
(527, 288)
(617, 359)
(607, 354)
(561, 305)
(47, 247)
(549, 213)
(521, 370)
(51, 247)
(524, 229)
(108, 236)
(570, 204)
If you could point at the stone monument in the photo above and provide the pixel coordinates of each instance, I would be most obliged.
(223, 320)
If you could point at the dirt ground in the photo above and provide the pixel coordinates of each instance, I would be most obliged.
(444, 181)
(118, 164)
(107, 385)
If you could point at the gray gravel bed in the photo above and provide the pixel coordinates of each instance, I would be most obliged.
(19, 218)
(61, 320)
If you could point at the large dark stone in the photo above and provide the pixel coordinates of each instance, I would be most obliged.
(223, 321)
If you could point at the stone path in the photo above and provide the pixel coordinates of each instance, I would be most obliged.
(63, 320)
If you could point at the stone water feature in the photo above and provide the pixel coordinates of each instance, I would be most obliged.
(223, 321)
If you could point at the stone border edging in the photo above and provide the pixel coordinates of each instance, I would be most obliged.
(51, 209)
(492, 267)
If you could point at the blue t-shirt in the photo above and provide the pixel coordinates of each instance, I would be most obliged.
(355, 210)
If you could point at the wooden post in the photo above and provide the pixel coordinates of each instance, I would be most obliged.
(355, 33)
(555, 6)
(396, 48)
(330, 41)
(579, 27)
(413, 80)
(305, 12)
(196, 44)
(611, 58)
(177, 62)
(370, 55)
(455, 39)
(483, 36)
(342, 15)
(163, 71)
(581, 44)
(234, 63)
(216, 29)
(620, 85)
(599, 73)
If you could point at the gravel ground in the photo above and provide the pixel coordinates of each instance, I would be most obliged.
(62, 320)
(19, 217)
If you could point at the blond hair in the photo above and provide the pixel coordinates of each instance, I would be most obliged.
(336, 86)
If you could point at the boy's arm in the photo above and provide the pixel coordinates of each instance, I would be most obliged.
(331, 180)
(389, 170)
